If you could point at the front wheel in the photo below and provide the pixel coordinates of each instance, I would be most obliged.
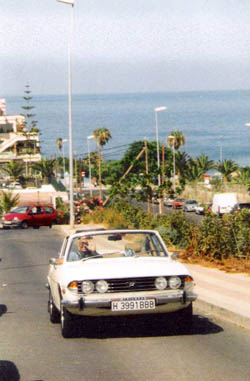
(54, 314)
(24, 225)
(66, 322)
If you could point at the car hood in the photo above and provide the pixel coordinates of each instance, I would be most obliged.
(122, 268)
(9, 216)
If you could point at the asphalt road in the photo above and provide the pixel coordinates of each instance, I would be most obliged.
(138, 348)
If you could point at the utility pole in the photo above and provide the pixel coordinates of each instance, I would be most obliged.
(146, 165)
(162, 175)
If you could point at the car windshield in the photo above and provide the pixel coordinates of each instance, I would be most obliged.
(115, 245)
(20, 209)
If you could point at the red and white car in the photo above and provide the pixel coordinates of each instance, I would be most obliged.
(124, 272)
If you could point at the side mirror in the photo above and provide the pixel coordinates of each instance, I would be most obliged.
(53, 261)
(175, 256)
(56, 261)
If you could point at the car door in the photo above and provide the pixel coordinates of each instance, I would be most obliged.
(55, 273)
(50, 215)
(38, 216)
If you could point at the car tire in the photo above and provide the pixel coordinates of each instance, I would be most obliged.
(24, 225)
(54, 314)
(66, 322)
(52, 223)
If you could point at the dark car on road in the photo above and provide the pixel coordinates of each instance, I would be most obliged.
(30, 215)
(241, 205)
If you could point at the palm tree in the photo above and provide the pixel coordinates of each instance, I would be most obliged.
(175, 140)
(204, 163)
(244, 176)
(59, 143)
(46, 168)
(14, 169)
(226, 168)
(193, 171)
(8, 202)
(102, 136)
(182, 160)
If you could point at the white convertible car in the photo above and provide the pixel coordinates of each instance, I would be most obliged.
(117, 272)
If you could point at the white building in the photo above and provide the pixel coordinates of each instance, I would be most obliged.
(16, 143)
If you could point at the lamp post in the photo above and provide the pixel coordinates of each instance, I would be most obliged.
(158, 109)
(64, 141)
(90, 185)
(71, 190)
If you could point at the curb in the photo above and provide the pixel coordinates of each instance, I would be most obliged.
(222, 313)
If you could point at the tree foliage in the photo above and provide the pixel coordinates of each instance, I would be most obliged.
(46, 168)
(14, 169)
(8, 201)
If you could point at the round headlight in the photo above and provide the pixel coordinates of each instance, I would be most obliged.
(87, 287)
(161, 283)
(102, 286)
(174, 282)
(16, 219)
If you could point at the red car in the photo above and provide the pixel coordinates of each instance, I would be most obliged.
(34, 215)
(178, 203)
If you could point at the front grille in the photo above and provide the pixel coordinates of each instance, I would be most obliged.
(130, 284)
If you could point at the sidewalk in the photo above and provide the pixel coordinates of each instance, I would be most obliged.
(222, 294)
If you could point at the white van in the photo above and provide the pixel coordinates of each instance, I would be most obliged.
(224, 203)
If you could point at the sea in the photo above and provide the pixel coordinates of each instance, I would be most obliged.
(213, 122)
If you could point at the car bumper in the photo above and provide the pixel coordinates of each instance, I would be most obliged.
(11, 224)
(174, 301)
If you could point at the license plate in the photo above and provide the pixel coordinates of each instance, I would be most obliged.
(133, 305)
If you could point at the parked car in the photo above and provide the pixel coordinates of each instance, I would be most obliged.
(30, 215)
(117, 272)
(241, 205)
(201, 208)
(178, 203)
(168, 201)
(189, 205)
(15, 185)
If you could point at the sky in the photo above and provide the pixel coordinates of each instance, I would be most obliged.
(124, 46)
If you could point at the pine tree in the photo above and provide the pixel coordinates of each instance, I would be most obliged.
(29, 123)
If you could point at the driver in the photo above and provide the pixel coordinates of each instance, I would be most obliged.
(85, 248)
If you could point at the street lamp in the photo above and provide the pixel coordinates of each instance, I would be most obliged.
(64, 141)
(90, 185)
(71, 190)
(158, 109)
